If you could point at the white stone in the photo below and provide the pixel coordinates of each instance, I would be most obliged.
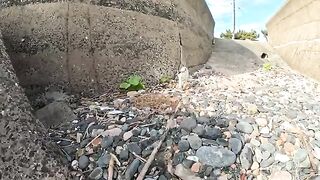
(262, 122)
(264, 130)
(281, 157)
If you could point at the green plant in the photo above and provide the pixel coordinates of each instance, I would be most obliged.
(226, 35)
(164, 79)
(241, 34)
(267, 66)
(133, 83)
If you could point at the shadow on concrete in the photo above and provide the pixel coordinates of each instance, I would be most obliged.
(231, 57)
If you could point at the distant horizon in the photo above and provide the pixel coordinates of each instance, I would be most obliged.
(250, 14)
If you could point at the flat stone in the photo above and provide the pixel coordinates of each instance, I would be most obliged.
(246, 157)
(281, 157)
(124, 154)
(300, 155)
(132, 169)
(96, 174)
(244, 127)
(83, 162)
(200, 130)
(187, 163)
(194, 141)
(196, 167)
(104, 160)
(222, 142)
(255, 165)
(183, 145)
(265, 130)
(215, 156)
(127, 135)
(317, 135)
(268, 147)
(106, 142)
(262, 122)
(212, 133)
(188, 124)
(265, 155)
(112, 132)
(281, 175)
(203, 120)
(289, 148)
(258, 154)
(134, 148)
(235, 145)
(267, 162)
(255, 142)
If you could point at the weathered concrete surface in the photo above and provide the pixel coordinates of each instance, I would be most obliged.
(91, 47)
(24, 151)
(231, 57)
(294, 32)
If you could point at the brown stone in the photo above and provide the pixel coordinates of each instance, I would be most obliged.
(196, 167)
(289, 148)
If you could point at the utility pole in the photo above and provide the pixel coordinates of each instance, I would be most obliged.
(234, 19)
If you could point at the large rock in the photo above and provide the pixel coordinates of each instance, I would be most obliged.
(24, 151)
(92, 46)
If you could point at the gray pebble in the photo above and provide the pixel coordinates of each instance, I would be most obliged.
(246, 157)
(83, 162)
(96, 174)
(194, 141)
(199, 130)
(134, 148)
(188, 124)
(212, 133)
(132, 169)
(235, 145)
(183, 145)
(244, 127)
(104, 159)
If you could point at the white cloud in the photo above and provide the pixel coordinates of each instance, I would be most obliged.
(220, 8)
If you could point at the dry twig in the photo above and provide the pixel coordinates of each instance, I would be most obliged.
(156, 149)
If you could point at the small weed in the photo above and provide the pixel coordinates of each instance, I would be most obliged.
(165, 79)
(133, 83)
(267, 66)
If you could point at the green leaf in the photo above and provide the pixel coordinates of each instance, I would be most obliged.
(124, 85)
(134, 80)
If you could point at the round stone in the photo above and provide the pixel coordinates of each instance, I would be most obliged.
(244, 127)
(235, 145)
(281, 175)
(194, 141)
(261, 122)
(215, 156)
(183, 145)
(83, 162)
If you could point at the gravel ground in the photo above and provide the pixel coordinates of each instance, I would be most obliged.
(258, 125)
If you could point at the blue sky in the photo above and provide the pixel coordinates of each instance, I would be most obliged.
(251, 14)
